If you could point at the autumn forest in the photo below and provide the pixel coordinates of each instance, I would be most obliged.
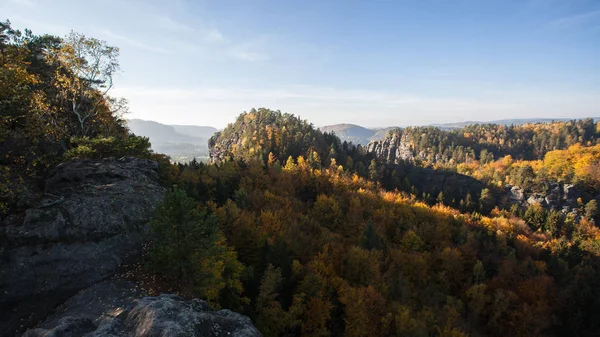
(484, 230)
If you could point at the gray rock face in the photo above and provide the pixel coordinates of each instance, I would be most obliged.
(516, 195)
(557, 196)
(109, 309)
(537, 198)
(88, 223)
(392, 149)
(220, 147)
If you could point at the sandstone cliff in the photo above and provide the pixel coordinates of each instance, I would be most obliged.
(87, 223)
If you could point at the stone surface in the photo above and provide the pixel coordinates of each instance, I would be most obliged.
(537, 198)
(570, 192)
(90, 220)
(111, 309)
(392, 149)
(516, 195)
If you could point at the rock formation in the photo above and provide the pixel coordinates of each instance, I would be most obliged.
(110, 309)
(87, 223)
(392, 149)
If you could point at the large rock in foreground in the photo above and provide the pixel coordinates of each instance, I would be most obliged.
(110, 309)
(89, 221)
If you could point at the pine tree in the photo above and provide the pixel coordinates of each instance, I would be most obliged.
(370, 239)
(189, 249)
(440, 198)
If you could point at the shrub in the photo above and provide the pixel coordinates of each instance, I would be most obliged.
(101, 147)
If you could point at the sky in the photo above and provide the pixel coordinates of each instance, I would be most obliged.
(372, 63)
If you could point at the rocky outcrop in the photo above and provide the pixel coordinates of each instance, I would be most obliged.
(89, 221)
(392, 149)
(515, 195)
(557, 197)
(111, 309)
(537, 198)
(220, 148)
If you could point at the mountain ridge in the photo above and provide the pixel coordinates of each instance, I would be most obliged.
(181, 142)
(362, 135)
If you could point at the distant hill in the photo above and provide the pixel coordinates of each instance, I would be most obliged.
(350, 132)
(195, 130)
(361, 135)
(181, 142)
(518, 121)
(356, 133)
(185, 142)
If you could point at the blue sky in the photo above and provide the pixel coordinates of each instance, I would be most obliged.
(374, 63)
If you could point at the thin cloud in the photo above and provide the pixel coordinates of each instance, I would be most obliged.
(248, 56)
(207, 34)
(132, 42)
(246, 51)
(579, 19)
(213, 35)
(322, 95)
(323, 105)
(26, 3)
(167, 23)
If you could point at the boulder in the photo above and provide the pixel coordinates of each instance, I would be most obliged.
(553, 196)
(571, 193)
(90, 220)
(112, 309)
(516, 195)
(537, 198)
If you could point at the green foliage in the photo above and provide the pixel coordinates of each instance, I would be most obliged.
(591, 209)
(272, 136)
(374, 171)
(190, 250)
(535, 216)
(486, 201)
(269, 312)
(50, 92)
(370, 239)
(484, 142)
(131, 146)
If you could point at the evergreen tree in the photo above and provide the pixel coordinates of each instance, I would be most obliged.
(591, 209)
(370, 239)
(189, 249)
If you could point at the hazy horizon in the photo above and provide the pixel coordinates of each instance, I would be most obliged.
(373, 64)
(374, 127)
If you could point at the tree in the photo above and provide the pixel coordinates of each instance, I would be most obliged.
(370, 239)
(535, 216)
(486, 201)
(591, 209)
(440, 198)
(268, 309)
(327, 211)
(361, 170)
(84, 78)
(289, 164)
(469, 204)
(189, 249)
(374, 172)
(525, 176)
(478, 272)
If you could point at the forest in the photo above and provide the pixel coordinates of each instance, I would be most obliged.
(311, 236)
